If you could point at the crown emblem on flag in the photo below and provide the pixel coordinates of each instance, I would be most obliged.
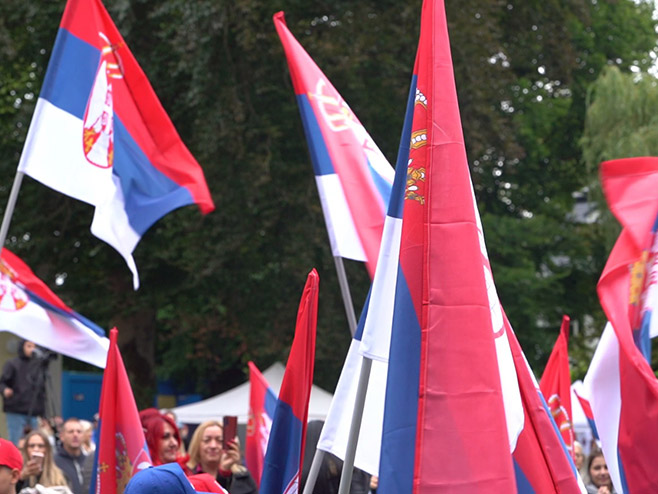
(335, 111)
(12, 298)
(98, 133)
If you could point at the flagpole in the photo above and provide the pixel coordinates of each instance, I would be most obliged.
(314, 471)
(345, 291)
(355, 427)
(11, 204)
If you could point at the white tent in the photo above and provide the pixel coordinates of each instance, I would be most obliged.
(236, 401)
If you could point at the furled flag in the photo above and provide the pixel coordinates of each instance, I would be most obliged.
(449, 424)
(555, 384)
(29, 309)
(620, 384)
(100, 135)
(122, 449)
(579, 392)
(262, 402)
(283, 460)
(352, 175)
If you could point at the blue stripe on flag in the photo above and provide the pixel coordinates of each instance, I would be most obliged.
(398, 451)
(270, 402)
(396, 203)
(523, 485)
(69, 75)
(282, 459)
(317, 147)
(148, 194)
(381, 184)
(68, 314)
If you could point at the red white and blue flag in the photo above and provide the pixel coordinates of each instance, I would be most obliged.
(352, 175)
(122, 449)
(620, 384)
(450, 425)
(99, 134)
(284, 457)
(29, 309)
(555, 385)
(262, 403)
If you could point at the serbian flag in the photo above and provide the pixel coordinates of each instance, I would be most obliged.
(352, 175)
(122, 449)
(100, 135)
(622, 388)
(457, 397)
(283, 460)
(29, 309)
(262, 402)
(579, 392)
(555, 385)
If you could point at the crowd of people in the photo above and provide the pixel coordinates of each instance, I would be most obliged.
(57, 456)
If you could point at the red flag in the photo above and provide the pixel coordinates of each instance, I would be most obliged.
(627, 290)
(122, 449)
(283, 460)
(555, 385)
(262, 402)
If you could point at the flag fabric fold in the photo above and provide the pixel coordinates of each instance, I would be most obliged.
(555, 385)
(99, 134)
(122, 449)
(283, 459)
(352, 175)
(621, 386)
(29, 309)
(262, 403)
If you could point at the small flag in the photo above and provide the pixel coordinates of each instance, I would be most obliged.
(555, 385)
(29, 309)
(99, 134)
(262, 402)
(283, 460)
(122, 449)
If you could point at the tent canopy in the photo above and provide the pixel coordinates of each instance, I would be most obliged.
(236, 401)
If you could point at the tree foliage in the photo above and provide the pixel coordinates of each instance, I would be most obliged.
(223, 289)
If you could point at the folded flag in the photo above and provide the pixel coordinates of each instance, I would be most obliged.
(283, 459)
(555, 385)
(621, 386)
(29, 309)
(262, 402)
(122, 449)
(451, 426)
(99, 134)
(352, 175)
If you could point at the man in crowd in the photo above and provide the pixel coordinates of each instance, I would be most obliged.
(11, 464)
(71, 459)
(23, 389)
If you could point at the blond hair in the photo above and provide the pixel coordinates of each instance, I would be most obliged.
(51, 475)
(194, 449)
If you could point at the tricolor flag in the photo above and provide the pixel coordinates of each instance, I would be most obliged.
(620, 384)
(555, 385)
(100, 135)
(29, 309)
(283, 460)
(352, 175)
(460, 400)
(262, 403)
(122, 449)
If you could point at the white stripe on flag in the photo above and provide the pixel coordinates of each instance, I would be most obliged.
(601, 388)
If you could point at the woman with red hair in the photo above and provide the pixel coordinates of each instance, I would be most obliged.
(162, 436)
